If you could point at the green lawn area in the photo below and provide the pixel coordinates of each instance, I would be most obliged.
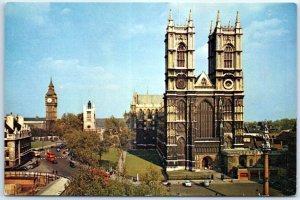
(110, 158)
(137, 161)
(39, 144)
(183, 175)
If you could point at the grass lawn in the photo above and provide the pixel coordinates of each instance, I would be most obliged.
(183, 175)
(39, 144)
(137, 161)
(110, 158)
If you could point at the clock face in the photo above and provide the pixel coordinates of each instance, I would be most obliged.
(180, 83)
(228, 84)
(49, 100)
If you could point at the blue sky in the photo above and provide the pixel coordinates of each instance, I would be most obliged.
(103, 52)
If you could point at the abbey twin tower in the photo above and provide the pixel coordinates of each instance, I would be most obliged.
(203, 115)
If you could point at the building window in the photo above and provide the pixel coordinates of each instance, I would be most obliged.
(204, 118)
(181, 110)
(228, 55)
(227, 109)
(203, 82)
(88, 116)
(180, 55)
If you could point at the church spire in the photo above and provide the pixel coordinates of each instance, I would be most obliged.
(237, 21)
(190, 20)
(190, 15)
(170, 20)
(211, 27)
(218, 23)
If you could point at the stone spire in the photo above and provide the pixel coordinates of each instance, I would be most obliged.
(190, 20)
(237, 21)
(170, 20)
(218, 23)
(211, 27)
(229, 24)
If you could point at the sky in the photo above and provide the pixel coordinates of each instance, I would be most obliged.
(103, 52)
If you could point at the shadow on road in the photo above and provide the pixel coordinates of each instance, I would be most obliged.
(216, 192)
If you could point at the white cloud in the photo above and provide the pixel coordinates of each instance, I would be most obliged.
(32, 13)
(266, 30)
(65, 11)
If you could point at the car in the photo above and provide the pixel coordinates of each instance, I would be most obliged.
(54, 161)
(187, 183)
(21, 168)
(72, 164)
(166, 183)
(206, 183)
(58, 149)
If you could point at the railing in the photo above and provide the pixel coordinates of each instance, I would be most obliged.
(9, 174)
(17, 136)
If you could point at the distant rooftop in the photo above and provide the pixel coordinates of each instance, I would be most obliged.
(149, 99)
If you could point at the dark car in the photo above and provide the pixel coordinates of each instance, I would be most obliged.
(21, 168)
(72, 164)
(54, 161)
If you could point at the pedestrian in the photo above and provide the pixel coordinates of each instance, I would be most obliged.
(212, 177)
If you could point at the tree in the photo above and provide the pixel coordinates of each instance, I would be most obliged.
(67, 122)
(85, 146)
(151, 183)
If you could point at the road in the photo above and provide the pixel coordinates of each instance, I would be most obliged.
(62, 167)
(221, 188)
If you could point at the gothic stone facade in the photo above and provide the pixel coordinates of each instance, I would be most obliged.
(144, 118)
(203, 115)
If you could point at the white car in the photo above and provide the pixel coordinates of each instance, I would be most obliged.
(206, 183)
(187, 183)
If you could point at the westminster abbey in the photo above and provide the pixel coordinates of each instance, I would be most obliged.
(203, 115)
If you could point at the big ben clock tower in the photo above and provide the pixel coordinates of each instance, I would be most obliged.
(51, 106)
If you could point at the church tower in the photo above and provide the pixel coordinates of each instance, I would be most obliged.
(225, 72)
(89, 117)
(51, 106)
(179, 58)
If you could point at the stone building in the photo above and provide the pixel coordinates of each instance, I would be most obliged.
(203, 114)
(89, 117)
(51, 106)
(17, 141)
(143, 118)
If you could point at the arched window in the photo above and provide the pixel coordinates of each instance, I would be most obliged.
(204, 119)
(181, 146)
(180, 55)
(181, 110)
(228, 56)
(227, 109)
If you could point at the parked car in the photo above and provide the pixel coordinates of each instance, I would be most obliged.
(166, 183)
(21, 168)
(187, 183)
(72, 164)
(206, 183)
(58, 149)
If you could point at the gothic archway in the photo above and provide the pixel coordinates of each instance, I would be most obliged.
(207, 162)
(181, 148)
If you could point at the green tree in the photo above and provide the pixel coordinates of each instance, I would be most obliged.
(151, 183)
(85, 146)
(67, 123)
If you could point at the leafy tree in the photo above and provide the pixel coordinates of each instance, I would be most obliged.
(151, 183)
(67, 123)
(85, 146)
